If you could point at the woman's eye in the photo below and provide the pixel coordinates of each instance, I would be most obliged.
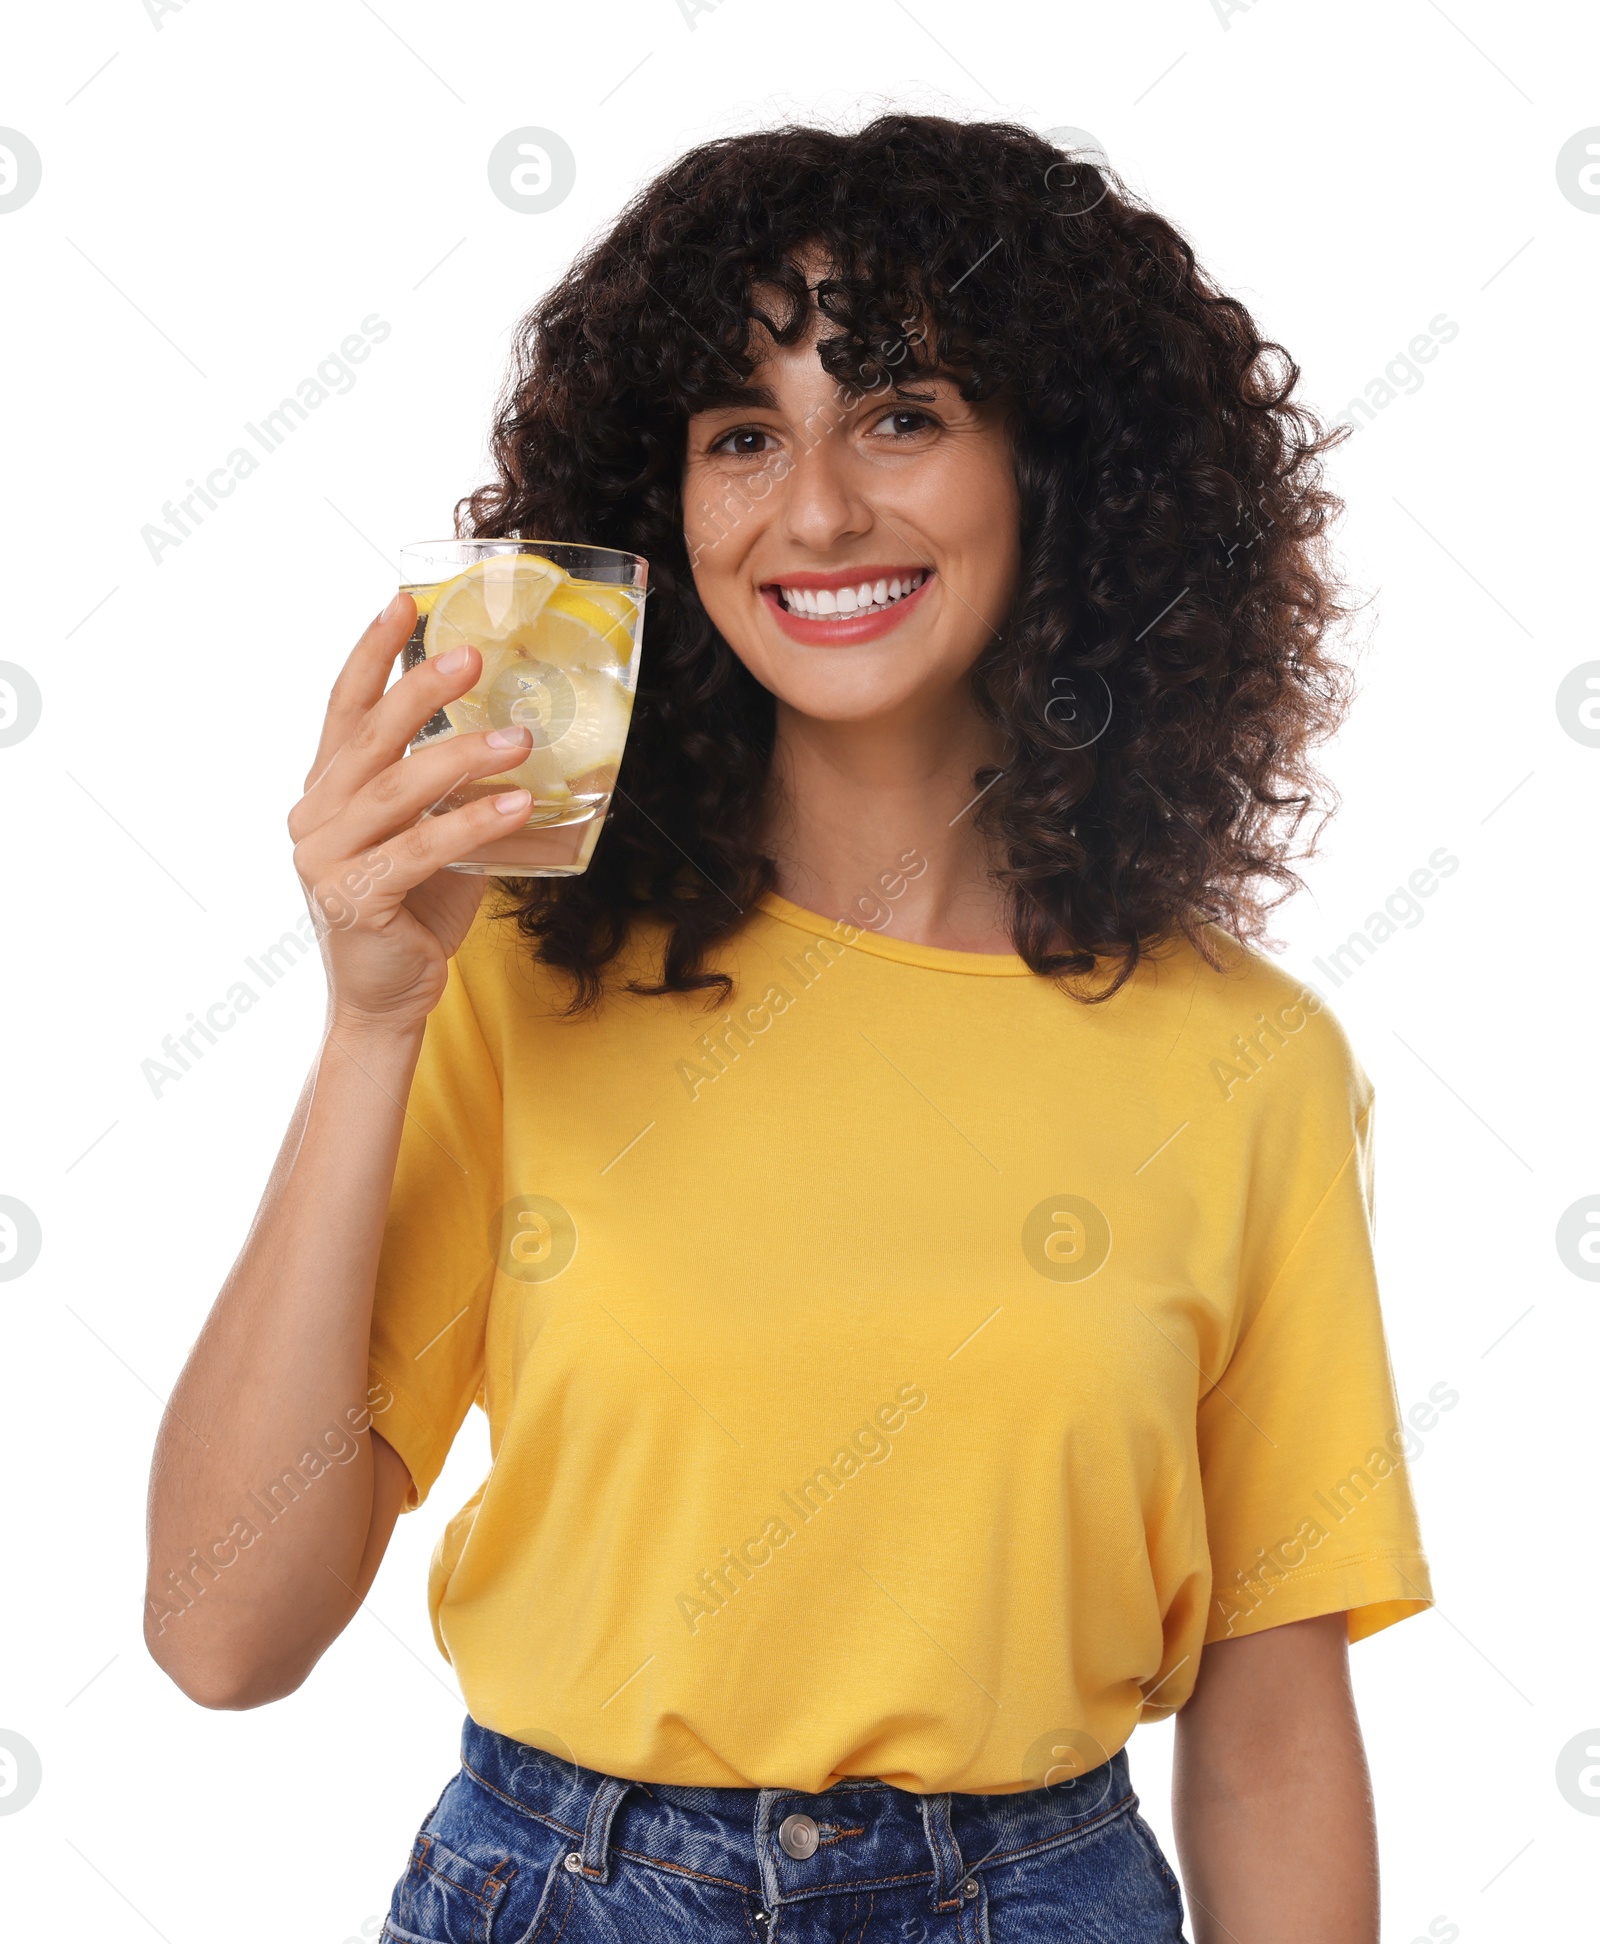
(903, 423)
(743, 442)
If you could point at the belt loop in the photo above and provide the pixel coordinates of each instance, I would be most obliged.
(594, 1859)
(948, 1869)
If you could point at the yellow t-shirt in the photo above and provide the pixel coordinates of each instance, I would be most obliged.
(900, 1371)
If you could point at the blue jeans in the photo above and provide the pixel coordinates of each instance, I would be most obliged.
(523, 1848)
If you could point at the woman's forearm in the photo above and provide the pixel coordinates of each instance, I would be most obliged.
(261, 1491)
(1272, 1804)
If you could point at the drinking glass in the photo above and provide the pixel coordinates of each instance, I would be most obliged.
(559, 627)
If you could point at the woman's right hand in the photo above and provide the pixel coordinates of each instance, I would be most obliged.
(388, 912)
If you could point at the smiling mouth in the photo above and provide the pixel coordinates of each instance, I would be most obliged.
(836, 603)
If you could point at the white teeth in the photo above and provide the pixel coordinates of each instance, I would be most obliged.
(850, 600)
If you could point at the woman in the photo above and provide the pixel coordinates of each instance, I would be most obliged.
(912, 1248)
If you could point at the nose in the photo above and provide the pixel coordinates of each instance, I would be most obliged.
(821, 501)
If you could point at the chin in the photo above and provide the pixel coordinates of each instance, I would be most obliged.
(837, 701)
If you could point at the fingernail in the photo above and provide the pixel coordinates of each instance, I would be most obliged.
(448, 664)
(505, 738)
(512, 801)
(392, 609)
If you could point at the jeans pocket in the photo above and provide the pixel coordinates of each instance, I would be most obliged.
(1108, 1883)
(446, 1897)
(1163, 1869)
(479, 1892)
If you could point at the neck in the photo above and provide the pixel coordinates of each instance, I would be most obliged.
(873, 822)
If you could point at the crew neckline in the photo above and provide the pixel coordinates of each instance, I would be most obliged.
(936, 958)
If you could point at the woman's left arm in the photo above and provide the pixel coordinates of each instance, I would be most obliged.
(1271, 1801)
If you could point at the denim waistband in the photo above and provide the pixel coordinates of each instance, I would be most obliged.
(867, 1832)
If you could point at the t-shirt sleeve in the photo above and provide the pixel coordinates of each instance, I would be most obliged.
(435, 1266)
(1303, 1456)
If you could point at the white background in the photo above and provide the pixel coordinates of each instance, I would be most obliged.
(227, 192)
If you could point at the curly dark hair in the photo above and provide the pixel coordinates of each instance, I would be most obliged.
(1174, 579)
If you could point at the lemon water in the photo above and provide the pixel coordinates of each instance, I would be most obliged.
(558, 660)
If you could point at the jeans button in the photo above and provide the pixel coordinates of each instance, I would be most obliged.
(798, 1836)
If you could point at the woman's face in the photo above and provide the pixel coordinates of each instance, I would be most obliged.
(856, 551)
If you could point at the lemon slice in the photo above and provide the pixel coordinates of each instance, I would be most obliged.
(556, 654)
(495, 604)
(540, 773)
(606, 613)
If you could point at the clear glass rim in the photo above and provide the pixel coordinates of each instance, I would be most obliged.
(636, 562)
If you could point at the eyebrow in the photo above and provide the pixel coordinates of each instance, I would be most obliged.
(761, 398)
(753, 398)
